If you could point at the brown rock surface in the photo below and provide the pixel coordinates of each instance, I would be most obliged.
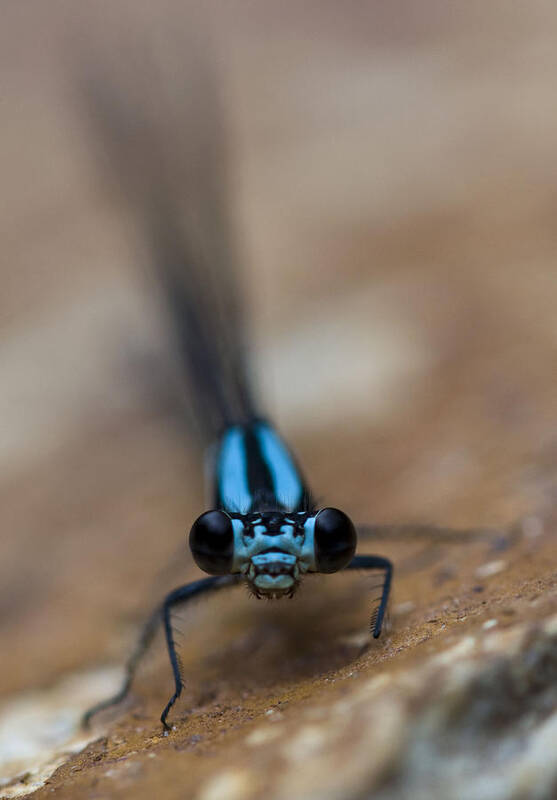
(397, 197)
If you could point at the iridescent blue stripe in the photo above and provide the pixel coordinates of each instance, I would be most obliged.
(288, 487)
(232, 473)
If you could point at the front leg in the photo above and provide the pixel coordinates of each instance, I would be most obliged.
(180, 595)
(436, 534)
(376, 562)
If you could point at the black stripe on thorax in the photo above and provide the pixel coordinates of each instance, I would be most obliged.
(260, 480)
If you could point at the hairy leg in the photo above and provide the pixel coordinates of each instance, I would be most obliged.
(163, 612)
(383, 564)
(180, 595)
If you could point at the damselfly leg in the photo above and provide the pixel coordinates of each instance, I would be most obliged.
(180, 595)
(386, 567)
(435, 538)
(436, 534)
(161, 614)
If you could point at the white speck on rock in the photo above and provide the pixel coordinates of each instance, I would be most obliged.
(463, 648)
(234, 784)
(308, 741)
(404, 608)
(375, 684)
(491, 568)
(262, 735)
(358, 640)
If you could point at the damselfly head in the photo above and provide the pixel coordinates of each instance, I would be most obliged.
(273, 549)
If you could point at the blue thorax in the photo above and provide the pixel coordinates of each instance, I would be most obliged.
(254, 469)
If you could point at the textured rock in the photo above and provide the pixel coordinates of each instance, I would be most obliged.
(398, 199)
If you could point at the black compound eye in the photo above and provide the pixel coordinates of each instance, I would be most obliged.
(335, 540)
(212, 542)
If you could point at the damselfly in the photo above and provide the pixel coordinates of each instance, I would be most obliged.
(264, 530)
(263, 527)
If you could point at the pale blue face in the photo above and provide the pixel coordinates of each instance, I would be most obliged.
(274, 550)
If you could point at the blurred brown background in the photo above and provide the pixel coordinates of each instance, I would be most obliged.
(395, 196)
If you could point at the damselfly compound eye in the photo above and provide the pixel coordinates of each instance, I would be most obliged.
(335, 540)
(212, 542)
